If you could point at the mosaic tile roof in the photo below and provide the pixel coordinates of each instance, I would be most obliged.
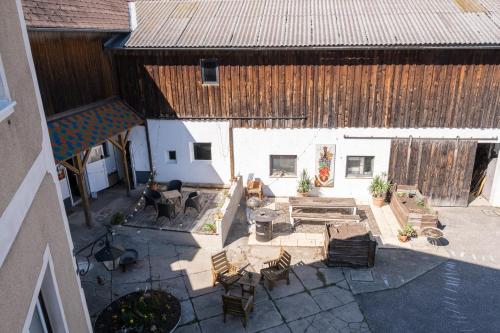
(82, 128)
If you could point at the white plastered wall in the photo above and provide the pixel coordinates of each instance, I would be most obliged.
(254, 146)
(165, 135)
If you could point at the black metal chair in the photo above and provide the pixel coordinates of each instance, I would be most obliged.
(152, 197)
(174, 185)
(166, 209)
(193, 200)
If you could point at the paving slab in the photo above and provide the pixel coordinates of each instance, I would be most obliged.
(363, 275)
(187, 312)
(137, 272)
(332, 275)
(195, 261)
(394, 268)
(207, 305)
(278, 329)
(200, 283)
(264, 315)
(163, 268)
(233, 324)
(121, 289)
(281, 289)
(175, 286)
(162, 249)
(319, 323)
(349, 313)
(331, 297)
(297, 306)
(191, 328)
(309, 276)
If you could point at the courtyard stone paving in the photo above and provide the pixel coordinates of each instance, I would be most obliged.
(317, 298)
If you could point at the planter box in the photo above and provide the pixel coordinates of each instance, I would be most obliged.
(400, 203)
(349, 244)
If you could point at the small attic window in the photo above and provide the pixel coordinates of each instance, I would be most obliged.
(209, 71)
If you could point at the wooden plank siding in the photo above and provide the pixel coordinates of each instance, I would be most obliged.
(442, 169)
(72, 68)
(431, 88)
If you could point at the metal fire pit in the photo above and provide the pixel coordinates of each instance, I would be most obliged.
(264, 218)
(433, 235)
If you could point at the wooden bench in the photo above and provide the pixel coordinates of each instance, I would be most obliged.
(319, 216)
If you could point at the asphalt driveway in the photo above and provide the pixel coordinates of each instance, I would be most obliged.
(460, 295)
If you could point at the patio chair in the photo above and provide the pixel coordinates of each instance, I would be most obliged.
(223, 271)
(193, 200)
(278, 269)
(174, 185)
(237, 306)
(152, 197)
(165, 209)
(254, 187)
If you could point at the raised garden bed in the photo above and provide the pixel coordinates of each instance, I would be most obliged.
(349, 244)
(151, 311)
(411, 207)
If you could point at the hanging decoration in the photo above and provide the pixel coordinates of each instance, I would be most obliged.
(325, 157)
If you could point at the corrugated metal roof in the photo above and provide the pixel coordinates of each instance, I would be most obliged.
(313, 23)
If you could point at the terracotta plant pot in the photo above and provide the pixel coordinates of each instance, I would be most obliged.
(378, 202)
(302, 194)
(403, 238)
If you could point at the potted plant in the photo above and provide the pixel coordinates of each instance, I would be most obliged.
(117, 218)
(406, 233)
(378, 189)
(305, 184)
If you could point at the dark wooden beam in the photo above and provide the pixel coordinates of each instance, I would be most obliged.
(83, 189)
(123, 143)
(69, 166)
(116, 144)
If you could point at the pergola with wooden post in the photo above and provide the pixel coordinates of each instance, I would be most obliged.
(74, 133)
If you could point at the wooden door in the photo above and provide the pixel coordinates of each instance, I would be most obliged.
(442, 169)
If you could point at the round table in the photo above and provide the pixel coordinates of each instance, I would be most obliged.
(264, 218)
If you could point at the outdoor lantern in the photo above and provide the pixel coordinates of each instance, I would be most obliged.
(109, 256)
(253, 202)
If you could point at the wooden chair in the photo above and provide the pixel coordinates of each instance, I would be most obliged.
(237, 306)
(223, 271)
(278, 269)
(254, 187)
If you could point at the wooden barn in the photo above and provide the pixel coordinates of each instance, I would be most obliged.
(266, 89)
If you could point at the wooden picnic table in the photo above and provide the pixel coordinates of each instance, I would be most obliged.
(326, 203)
(319, 208)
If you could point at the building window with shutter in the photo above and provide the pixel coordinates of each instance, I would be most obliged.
(359, 166)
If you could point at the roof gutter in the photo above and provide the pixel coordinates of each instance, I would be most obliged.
(64, 29)
(317, 48)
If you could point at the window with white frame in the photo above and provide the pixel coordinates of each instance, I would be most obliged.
(359, 166)
(40, 322)
(6, 104)
(283, 165)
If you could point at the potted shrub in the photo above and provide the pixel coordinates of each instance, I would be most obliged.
(305, 184)
(117, 218)
(378, 189)
(406, 233)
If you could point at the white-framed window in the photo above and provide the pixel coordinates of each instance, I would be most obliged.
(202, 151)
(171, 156)
(209, 71)
(359, 166)
(6, 104)
(40, 322)
(283, 165)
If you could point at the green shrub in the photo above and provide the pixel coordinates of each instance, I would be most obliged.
(117, 218)
(305, 182)
(379, 186)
